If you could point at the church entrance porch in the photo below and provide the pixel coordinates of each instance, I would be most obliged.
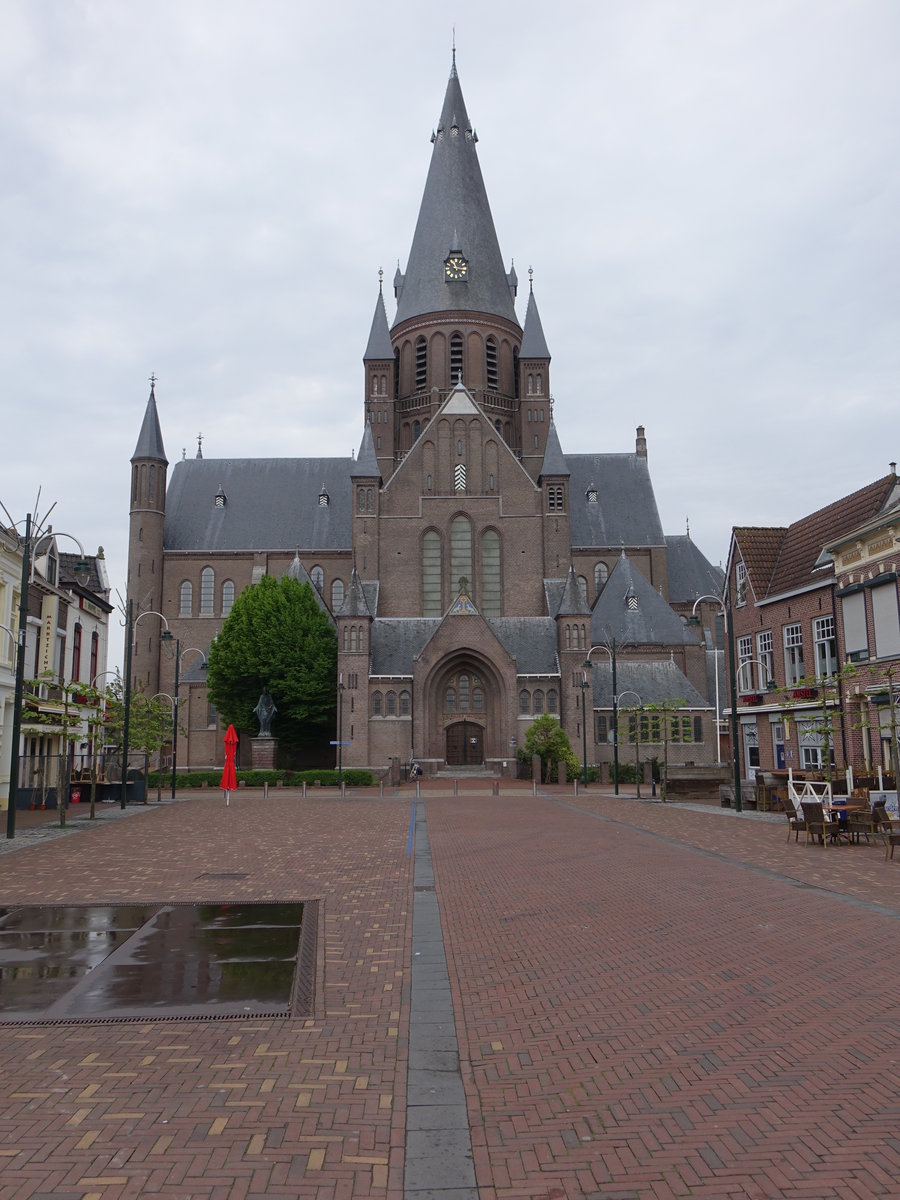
(465, 744)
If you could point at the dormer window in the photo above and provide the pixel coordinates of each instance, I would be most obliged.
(631, 602)
(592, 495)
(323, 498)
(220, 499)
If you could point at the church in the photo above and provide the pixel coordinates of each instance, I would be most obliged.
(477, 575)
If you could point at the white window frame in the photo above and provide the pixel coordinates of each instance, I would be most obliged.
(825, 642)
(793, 653)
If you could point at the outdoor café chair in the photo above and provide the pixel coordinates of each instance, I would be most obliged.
(891, 839)
(818, 822)
(861, 821)
(796, 823)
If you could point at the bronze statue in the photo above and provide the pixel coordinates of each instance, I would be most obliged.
(265, 711)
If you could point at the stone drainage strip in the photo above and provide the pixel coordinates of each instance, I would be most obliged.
(115, 962)
(439, 1158)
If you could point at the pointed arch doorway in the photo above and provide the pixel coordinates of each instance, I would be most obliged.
(464, 744)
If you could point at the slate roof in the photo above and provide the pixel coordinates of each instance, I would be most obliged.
(454, 215)
(653, 622)
(626, 512)
(150, 442)
(396, 641)
(534, 344)
(379, 344)
(691, 574)
(654, 682)
(794, 551)
(271, 504)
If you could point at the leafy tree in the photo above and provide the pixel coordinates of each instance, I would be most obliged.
(547, 738)
(666, 709)
(276, 637)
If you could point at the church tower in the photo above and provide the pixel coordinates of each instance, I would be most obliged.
(456, 321)
(145, 545)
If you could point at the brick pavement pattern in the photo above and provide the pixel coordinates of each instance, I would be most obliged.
(649, 1002)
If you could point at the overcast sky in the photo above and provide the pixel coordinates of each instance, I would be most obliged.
(205, 189)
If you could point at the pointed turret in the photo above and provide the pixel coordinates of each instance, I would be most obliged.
(379, 345)
(366, 463)
(554, 460)
(534, 344)
(150, 441)
(145, 536)
(455, 261)
(573, 603)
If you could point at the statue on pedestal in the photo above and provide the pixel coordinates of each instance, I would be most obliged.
(265, 710)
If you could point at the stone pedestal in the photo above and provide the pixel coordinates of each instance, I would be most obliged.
(263, 752)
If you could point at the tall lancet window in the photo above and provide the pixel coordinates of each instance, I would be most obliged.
(431, 574)
(461, 555)
(490, 573)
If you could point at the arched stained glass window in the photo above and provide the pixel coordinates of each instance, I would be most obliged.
(524, 702)
(185, 605)
(377, 703)
(337, 594)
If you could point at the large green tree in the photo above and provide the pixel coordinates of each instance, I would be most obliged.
(548, 739)
(277, 637)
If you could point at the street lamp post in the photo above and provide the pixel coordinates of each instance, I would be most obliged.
(340, 753)
(584, 687)
(611, 651)
(179, 654)
(725, 612)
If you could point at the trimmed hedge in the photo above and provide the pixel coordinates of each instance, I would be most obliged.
(326, 777)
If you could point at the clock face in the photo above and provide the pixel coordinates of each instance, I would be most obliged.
(455, 267)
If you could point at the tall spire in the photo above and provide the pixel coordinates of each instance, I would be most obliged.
(150, 442)
(454, 216)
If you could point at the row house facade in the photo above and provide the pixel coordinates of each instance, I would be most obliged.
(66, 644)
(797, 677)
(867, 626)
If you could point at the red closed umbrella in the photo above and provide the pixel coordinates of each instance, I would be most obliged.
(229, 779)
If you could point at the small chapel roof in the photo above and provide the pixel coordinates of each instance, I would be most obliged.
(632, 611)
(652, 682)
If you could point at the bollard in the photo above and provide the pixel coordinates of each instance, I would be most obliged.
(266, 790)
(418, 789)
(534, 787)
(455, 787)
(303, 792)
(495, 787)
(381, 788)
(343, 793)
